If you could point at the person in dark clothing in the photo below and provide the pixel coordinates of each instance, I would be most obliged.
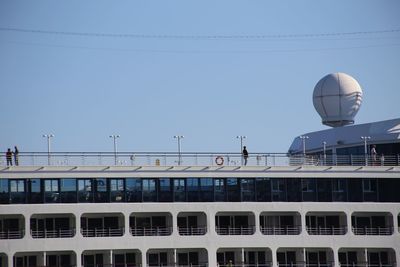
(16, 152)
(9, 157)
(245, 155)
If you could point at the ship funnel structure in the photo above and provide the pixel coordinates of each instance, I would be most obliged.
(337, 98)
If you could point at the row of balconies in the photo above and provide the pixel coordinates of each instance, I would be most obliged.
(195, 223)
(200, 257)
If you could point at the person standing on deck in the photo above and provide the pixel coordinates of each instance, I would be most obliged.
(245, 155)
(9, 157)
(16, 152)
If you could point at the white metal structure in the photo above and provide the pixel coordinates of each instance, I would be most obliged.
(269, 234)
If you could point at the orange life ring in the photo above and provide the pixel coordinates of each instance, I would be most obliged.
(219, 160)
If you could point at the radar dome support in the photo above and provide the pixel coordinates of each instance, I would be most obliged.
(337, 98)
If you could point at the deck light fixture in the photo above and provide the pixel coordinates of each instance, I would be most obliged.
(179, 137)
(48, 136)
(115, 136)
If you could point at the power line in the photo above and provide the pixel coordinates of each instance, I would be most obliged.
(181, 51)
(198, 37)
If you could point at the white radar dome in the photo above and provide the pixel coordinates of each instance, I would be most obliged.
(337, 98)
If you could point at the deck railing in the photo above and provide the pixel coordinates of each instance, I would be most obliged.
(305, 264)
(327, 230)
(195, 159)
(373, 230)
(249, 230)
(151, 231)
(102, 232)
(59, 233)
(366, 264)
(266, 264)
(13, 234)
(192, 230)
(200, 264)
(286, 230)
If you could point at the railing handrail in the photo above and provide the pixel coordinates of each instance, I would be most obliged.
(341, 230)
(196, 159)
(378, 230)
(281, 230)
(102, 232)
(249, 230)
(199, 230)
(151, 231)
(55, 233)
(12, 234)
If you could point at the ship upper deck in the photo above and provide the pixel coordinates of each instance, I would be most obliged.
(157, 164)
(219, 159)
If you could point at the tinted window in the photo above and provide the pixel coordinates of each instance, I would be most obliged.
(206, 190)
(192, 185)
(247, 188)
(4, 197)
(133, 190)
(165, 191)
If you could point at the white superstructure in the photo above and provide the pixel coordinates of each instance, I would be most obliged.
(329, 201)
(252, 228)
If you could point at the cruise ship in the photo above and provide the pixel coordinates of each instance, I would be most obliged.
(328, 201)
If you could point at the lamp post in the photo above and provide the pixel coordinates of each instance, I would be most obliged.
(303, 139)
(179, 137)
(324, 147)
(48, 136)
(365, 139)
(115, 136)
(241, 137)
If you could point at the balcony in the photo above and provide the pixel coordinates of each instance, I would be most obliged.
(373, 257)
(280, 223)
(197, 257)
(52, 225)
(326, 223)
(374, 223)
(101, 225)
(235, 223)
(249, 257)
(313, 257)
(12, 226)
(45, 258)
(192, 223)
(150, 224)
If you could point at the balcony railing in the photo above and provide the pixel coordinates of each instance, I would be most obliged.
(15, 234)
(153, 231)
(366, 264)
(373, 230)
(327, 230)
(102, 232)
(195, 159)
(267, 264)
(235, 230)
(60, 233)
(200, 264)
(192, 230)
(286, 230)
(304, 264)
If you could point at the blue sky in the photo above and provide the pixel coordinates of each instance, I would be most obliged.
(84, 88)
